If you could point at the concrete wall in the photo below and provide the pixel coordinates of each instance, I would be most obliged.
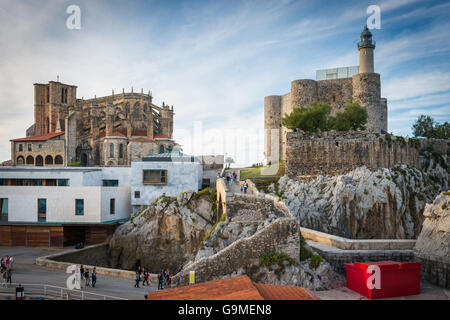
(181, 176)
(23, 201)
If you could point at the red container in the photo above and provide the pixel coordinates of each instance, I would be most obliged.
(395, 279)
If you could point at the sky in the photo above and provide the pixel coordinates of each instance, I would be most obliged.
(215, 61)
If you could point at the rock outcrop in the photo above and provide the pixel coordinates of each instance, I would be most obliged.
(434, 239)
(165, 235)
(365, 204)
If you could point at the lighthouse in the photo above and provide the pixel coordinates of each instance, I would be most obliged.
(366, 47)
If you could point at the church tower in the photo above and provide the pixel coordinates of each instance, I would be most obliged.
(366, 47)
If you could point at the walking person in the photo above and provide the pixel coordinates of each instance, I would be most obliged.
(81, 272)
(88, 280)
(146, 278)
(138, 278)
(94, 277)
(161, 280)
(9, 276)
(4, 275)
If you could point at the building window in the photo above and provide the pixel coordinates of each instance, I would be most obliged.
(3, 182)
(79, 207)
(42, 210)
(48, 160)
(137, 194)
(63, 182)
(120, 151)
(110, 183)
(30, 160)
(4, 209)
(136, 111)
(161, 149)
(112, 206)
(20, 147)
(20, 161)
(111, 150)
(58, 160)
(154, 177)
(29, 147)
(39, 161)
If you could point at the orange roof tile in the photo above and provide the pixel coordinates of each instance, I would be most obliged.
(161, 136)
(274, 292)
(142, 139)
(116, 134)
(235, 288)
(45, 137)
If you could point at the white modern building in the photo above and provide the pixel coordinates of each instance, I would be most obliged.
(86, 204)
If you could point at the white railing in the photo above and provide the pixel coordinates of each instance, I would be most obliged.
(49, 291)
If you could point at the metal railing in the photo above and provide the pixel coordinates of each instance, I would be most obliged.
(49, 291)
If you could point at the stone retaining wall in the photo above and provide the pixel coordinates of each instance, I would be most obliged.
(338, 257)
(434, 269)
(79, 256)
(351, 244)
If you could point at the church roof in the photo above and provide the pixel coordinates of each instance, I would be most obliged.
(45, 137)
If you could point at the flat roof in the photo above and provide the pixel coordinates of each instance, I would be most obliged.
(170, 157)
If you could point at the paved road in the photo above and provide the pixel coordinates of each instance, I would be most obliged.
(25, 271)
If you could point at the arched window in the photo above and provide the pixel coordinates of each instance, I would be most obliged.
(39, 161)
(48, 160)
(111, 150)
(20, 161)
(136, 111)
(161, 149)
(58, 160)
(120, 151)
(30, 160)
(145, 108)
(127, 110)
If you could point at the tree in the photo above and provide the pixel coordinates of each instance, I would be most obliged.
(427, 127)
(317, 116)
(354, 117)
(310, 118)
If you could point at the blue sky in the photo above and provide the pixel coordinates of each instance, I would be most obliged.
(214, 61)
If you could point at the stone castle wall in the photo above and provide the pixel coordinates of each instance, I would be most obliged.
(336, 153)
(363, 88)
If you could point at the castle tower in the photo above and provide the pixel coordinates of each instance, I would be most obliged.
(366, 47)
(272, 128)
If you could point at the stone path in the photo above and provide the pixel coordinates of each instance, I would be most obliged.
(26, 271)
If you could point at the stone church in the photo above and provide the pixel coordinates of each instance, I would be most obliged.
(106, 131)
(333, 86)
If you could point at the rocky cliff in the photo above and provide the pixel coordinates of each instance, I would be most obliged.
(434, 239)
(365, 204)
(165, 235)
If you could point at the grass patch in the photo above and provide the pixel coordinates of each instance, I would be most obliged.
(447, 193)
(256, 172)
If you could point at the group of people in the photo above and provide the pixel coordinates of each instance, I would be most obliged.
(91, 279)
(229, 179)
(164, 279)
(142, 275)
(6, 269)
(244, 187)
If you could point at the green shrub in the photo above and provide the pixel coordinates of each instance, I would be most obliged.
(272, 258)
(315, 261)
(375, 184)
(447, 193)
(305, 254)
(388, 177)
(444, 206)
(366, 191)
